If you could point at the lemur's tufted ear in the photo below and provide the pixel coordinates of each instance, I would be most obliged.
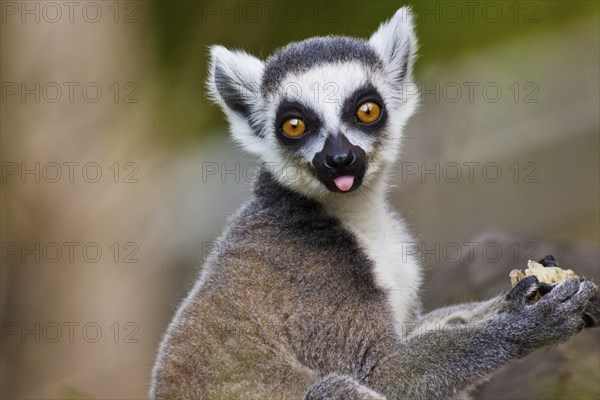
(234, 79)
(396, 43)
(234, 83)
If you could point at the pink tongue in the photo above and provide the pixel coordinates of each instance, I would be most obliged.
(344, 183)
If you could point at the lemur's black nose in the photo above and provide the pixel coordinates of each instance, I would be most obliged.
(337, 160)
(340, 165)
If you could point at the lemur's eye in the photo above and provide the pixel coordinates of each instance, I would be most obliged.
(368, 112)
(293, 128)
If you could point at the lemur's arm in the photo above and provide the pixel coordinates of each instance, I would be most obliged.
(443, 362)
(460, 313)
(477, 311)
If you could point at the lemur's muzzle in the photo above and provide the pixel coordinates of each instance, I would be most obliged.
(340, 165)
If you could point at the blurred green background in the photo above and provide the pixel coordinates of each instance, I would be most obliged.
(181, 31)
(163, 210)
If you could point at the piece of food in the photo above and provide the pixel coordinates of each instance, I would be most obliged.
(543, 274)
(547, 271)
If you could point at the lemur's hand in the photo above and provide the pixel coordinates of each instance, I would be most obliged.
(591, 315)
(527, 324)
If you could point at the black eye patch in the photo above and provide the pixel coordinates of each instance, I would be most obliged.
(293, 109)
(364, 94)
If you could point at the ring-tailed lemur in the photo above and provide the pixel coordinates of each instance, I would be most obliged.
(308, 294)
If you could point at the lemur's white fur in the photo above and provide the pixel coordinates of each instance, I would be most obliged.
(385, 239)
(365, 212)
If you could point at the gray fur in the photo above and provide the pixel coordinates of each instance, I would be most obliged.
(260, 326)
(297, 302)
(301, 56)
(334, 386)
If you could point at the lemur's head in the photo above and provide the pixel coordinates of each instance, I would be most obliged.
(325, 114)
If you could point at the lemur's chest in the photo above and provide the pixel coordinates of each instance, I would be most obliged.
(385, 240)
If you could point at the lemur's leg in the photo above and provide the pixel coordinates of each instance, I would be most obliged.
(334, 387)
(438, 364)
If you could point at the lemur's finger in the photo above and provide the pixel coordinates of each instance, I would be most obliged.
(549, 261)
(562, 291)
(591, 313)
(544, 288)
(523, 291)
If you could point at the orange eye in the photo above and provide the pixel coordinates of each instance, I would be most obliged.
(293, 128)
(368, 112)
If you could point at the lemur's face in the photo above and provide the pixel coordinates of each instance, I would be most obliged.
(326, 114)
(330, 122)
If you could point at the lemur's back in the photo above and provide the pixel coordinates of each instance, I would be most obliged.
(265, 319)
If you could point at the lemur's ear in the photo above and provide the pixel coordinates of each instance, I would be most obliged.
(234, 83)
(234, 79)
(396, 43)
